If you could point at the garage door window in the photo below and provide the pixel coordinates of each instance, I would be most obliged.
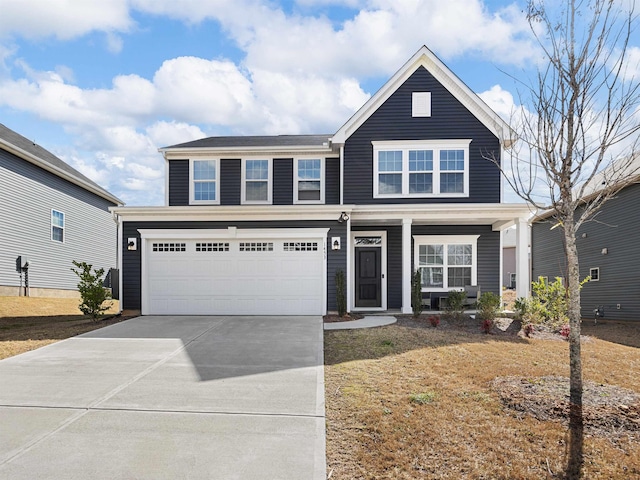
(256, 246)
(212, 247)
(169, 247)
(300, 246)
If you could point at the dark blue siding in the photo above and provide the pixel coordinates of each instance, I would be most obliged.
(449, 120)
(131, 260)
(617, 228)
(283, 181)
(332, 181)
(230, 178)
(179, 182)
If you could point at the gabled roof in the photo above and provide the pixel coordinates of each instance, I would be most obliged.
(31, 152)
(427, 59)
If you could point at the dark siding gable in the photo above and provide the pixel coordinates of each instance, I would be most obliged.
(449, 120)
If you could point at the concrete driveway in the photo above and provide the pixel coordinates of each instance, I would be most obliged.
(169, 398)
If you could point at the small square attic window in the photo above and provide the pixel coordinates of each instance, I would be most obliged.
(421, 104)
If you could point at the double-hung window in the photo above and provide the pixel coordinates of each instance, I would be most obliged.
(57, 226)
(204, 185)
(256, 181)
(446, 262)
(423, 168)
(308, 180)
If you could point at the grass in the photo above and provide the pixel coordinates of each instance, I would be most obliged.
(406, 403)
(27, 323)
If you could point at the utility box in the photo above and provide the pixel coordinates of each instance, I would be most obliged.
(22, 263)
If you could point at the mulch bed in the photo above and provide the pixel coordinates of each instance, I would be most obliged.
(608, 410)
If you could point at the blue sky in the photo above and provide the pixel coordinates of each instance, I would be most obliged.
(103, 85)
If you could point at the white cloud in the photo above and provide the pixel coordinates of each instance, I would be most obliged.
(163, 134)
(63, 19)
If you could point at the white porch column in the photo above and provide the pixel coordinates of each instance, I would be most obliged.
(523, 278)
(406, 265)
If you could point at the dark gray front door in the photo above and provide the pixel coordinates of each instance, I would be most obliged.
(368, 277)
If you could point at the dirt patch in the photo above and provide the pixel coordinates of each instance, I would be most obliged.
(608, 410)
(334, 317)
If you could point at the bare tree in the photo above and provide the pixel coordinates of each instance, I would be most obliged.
(577, 132)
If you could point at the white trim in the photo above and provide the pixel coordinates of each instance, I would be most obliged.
(231, 232)
(349, 269)
(296, 180)
(119, 263)
(192, 200)
(427, 59)
(435, 146)
(447, 240)
(64, 225)
(383, 269)
(341, 174)
(166, 182)
(239, 152)
(232, 213)
(243, 184)
(407, 271)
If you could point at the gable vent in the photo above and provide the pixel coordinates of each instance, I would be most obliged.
(421, 104)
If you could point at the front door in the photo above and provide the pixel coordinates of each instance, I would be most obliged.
(368, 277)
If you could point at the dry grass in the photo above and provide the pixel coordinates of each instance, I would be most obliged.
(376, 431)
(27, 323)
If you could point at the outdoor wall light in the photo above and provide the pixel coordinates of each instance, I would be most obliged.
(343, 217)
(132, 243)
(605, 251)
(335, 243)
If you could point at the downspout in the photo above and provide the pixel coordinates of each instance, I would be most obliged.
(342, 177)
(118, 219)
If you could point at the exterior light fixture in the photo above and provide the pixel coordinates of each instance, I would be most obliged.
(343, 217)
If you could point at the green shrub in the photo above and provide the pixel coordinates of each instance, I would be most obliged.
(488, 306)
(91, 288)
(455, 304)
(416, 293)
(341, 293)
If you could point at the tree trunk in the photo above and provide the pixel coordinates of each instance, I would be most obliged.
(576, 427)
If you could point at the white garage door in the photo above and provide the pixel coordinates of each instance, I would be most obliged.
(269, 276)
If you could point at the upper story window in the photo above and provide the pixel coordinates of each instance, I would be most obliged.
(204, 186)
(421, 168)
(57, 226)
(256, 181)
(446, 262)
(308, 180)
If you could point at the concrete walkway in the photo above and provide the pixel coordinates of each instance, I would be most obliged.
(169, 398)
(366, 322)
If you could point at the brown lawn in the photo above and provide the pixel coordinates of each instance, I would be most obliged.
(27, 323)
(410, 401)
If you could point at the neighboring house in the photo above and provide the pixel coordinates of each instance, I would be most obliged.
(606, 251)
(261, 225)
(51, 215)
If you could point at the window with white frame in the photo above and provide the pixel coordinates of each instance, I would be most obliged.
(256, 181)
(446, 262)
(308, 178)
(594, 273)
(57, 226)
(421, 168)
(204, 181)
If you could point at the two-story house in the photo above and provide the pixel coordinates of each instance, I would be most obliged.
(261, 225)
(51, 215)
